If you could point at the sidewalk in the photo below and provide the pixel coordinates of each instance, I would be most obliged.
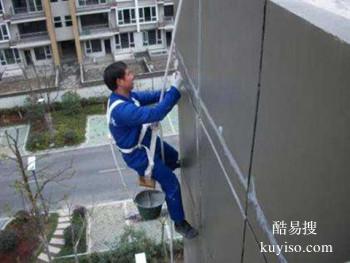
(107, 221)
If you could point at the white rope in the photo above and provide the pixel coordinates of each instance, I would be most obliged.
(177, 17)
(117, 166)
(172, 44)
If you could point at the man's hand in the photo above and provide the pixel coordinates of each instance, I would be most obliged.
(177, 80)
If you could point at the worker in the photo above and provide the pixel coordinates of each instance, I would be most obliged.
(126, 117)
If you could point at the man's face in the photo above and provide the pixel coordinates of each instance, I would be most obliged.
(128, 81)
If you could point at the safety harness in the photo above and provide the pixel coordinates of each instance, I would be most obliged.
(149, 151)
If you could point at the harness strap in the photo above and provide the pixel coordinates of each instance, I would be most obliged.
(150, 153)
(111, 108)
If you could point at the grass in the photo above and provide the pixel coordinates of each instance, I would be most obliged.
(70, 129)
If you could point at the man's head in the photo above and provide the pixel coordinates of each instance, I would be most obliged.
(117, 75)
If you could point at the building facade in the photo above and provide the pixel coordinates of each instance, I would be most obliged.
(49, 32)
(265, 131)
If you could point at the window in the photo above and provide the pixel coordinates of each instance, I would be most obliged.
(148, 14)
(1, 11)
(35, 5)
(124, 40)
(4, 32)
(57, 21)
(90, 2)
(152, 37)
(9, 56)
(93, 46)
(126, 16)
(42, 53)
(169, 10)
(53, 1)
(68, 20)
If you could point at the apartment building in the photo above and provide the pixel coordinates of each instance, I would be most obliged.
(53, 31)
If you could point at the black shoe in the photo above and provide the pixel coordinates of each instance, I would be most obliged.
(186, 230)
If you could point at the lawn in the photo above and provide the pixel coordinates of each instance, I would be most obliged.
(69, 129)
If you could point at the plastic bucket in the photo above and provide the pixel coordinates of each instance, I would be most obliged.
(149, 203)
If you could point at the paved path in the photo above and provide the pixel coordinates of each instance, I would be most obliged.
(107, 223)
(57, 240)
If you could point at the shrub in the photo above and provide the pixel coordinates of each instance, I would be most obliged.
(22, 217)
(68, 236)
(93, 100)
(70, 136)
(14, 110)
(8, 240)
(71, 103)
(34, 111)
(56, 106)
(38, 141)
(77, 226)
(132, 242)
(79, 211)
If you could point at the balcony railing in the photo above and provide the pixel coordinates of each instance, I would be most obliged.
(167, 21)
(87, 5)
(91, 2)
(25, 12)
(21, 10)
(29, 37)
(92, 29)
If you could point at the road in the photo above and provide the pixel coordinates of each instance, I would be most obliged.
(95, 178)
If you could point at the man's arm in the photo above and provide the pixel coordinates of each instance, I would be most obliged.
(130, 115)
(147, 97)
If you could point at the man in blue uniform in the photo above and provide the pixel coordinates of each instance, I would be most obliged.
(127, 113)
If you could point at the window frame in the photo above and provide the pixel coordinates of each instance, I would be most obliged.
(168, 6)
(121, 19)
(118, 41)
(57, 23)
(152, 11)
(89, 46)
(68, 20)
(46, 52)
(1, 8)
(4, 37)
(157, 38)
(3, 59)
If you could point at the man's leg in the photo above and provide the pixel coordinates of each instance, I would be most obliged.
(170, 153)
(171, 187)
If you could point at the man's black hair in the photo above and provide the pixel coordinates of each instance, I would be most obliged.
(113, 72)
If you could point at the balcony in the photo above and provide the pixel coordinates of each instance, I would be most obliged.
(97, 31)
(167, 23)
(33, 39)
(93, 29)
(93, 6)
(24, 14)
(165, 1)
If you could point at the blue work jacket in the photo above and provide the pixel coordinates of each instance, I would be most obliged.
(127, 119)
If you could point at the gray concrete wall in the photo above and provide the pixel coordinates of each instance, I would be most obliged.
(295, 158)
